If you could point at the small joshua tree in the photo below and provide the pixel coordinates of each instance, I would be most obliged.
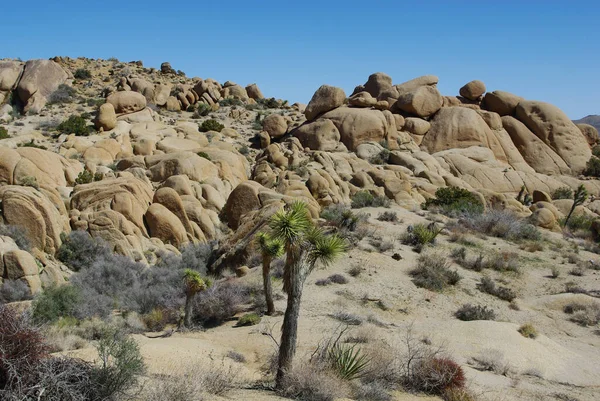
(193, 284)
(580, 196)
(270, 249)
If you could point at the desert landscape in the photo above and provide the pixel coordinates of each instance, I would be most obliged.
(166, 237)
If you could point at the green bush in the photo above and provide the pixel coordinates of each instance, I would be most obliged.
(211, 125)
(366, 199)
(348, 361)
(230, 101)
(86, 176)
(203, 155)
(420, 235)
(249, 319)
(74, 125)
(202, 110)
(388, 216)
(562, 193)
(341, 217)
(596, 150)
(528, 331)
(30, 181)
(31, 144)
(578, 222)
(469, 312)
(433, 272)
(4, 133)
(455, 201)
(592, 169)
(82, 73)
(63, 94)
(488, 286)
(54, 303)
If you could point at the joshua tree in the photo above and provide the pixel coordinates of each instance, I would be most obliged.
(580, 196)
(193, 284)
(270, 249)
(305, 245)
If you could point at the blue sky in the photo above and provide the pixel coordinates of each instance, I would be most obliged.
(544, 50)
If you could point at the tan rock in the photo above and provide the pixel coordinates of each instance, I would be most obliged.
(423, 101)
(275, 125)
(326, 98)
(321, 134)
(164, 225)
(162, 92)
(426, 80)
(107, 117)
(503, 103)
(243, 199)
(590, 133)
(473, 90)
(416, 126)
(39, 80)
(172, 104)
(126, 102)
(265, 139)
(254, 92)
(357, 125)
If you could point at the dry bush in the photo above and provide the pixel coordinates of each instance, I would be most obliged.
(221, 302)
(492, 360)
(348, 318)
(577, 271)
(488, 285)
(501, 224)
(528, 331)
(313, 382)
(469, 312)
(60, 339)
(586, 315)
(433, 272)
(503, 261)
(338, 279)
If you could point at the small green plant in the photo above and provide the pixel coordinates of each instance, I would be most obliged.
(202, 110)
(380, 158)
(211, 125)
(63, 94)
(366, 199)
(4, 133)
(86, 176)
(469, 312)
(341, 217)
(420, 235)
(204, 155)
(579, 197)
(82, 73)
(30, 181)
(348, 361)
(244, 150)
(488, 285)
(592, 168)
(528, 331)
(74, 125)
(388, 216)
(54, 303)
(562, 193)
(31, 144)
(433, 272)
(230, 101)
(454, 201)
(249, 319)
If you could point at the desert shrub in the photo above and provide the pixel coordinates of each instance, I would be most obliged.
(74, 125)
(244, 150)
(14, 291)
(230, 101)
(55, 302)
(381, 245)
(372, 391)
(433, 272)
(193, 256)
(31, 144)
(583, 314)
(455, 201)
(578, 222)
(592, 168)
(82, 73)
(578, 271)
(489, 286)
(355, 271)
(17, 233)
(338, 279)
(388, 216)
(501, 224)
(323, 282)
(4, 133)
(63, 94)
(503, 261)
(30, 181)
(236, 356)
(341, 217)
(204, 155)
(469, 312)
(310, 382)
(249, 319)
(528, 331)
(347, 361)
(348, 318)
(79, 250)
(492, 360)
(554, 272)
(562, 193)
(436, 375)
(86, 176)
(202, 110)
(459, 254)
(380, 158)
(211, 125)
(420, 235)
(156, 319)
(220, 302)
(366, 199)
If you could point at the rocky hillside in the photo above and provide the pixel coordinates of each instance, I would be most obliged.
(593, 120)
(150, 161)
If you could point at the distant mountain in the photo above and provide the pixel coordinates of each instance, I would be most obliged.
(591, 120)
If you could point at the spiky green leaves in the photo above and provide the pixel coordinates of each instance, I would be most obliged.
(348, 361)
(269, 246)
(289, 225)
(324, 248)
(193, 282)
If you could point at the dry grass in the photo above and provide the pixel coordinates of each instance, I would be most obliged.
(492, 360)
(313, 382)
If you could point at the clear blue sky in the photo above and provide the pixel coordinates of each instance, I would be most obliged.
(544, 50)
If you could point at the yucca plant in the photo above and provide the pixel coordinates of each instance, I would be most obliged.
(305, 246)
(420, 235)
(348, 361)
(193, 284)
(579, 197)
(270, 249)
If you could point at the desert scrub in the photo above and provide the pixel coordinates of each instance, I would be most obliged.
(86, 177)
(14, 291)
(18, 234)
(501, 224)
(202, 110)
(469, 312)
(82, 73)
(528, 331)
(204, 155)
(433, 272)
(488, 285)
(54, 303)
(585, 315)
(342, 218)
(592, 168)
(249, 319)
(4, 133)
(562, 193)
(420, 235)
(30, 181)
(454, 201)
(74, 125)
(31, 144)
(366, 199)
(63, 94)
(211, 125)
(388, 216)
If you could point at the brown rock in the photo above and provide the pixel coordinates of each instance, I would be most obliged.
(473, 90)
(126, 102)
(254, 92)
(275, 125)
(39, 80)
(243, 199)
(590, 133)
(321, 134)
(423, 101)
(107, 117)
(164, 225)
(326, 98)
(541, 196)
(500, 102)
(426, 80)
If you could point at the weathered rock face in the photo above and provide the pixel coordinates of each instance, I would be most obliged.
(10, 72)
(126, 102)
(534, 151)
(107, 117)
(321, 134)
(459, 127)
(557, 131)
(590, 133)
(426, 80)
(326, 98)
(275, 125)
(473, 90)
(501, 102)
(379, 86)
(423, 101)
(357, 126)
(254, 92)
(39, 80)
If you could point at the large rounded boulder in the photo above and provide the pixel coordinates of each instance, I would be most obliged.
(126, 102)
(40, 79)
(422, 102)
(326, 98)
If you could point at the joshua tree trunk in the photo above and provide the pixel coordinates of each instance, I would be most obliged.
(289, 332)
(189, 305)
(267, 285)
